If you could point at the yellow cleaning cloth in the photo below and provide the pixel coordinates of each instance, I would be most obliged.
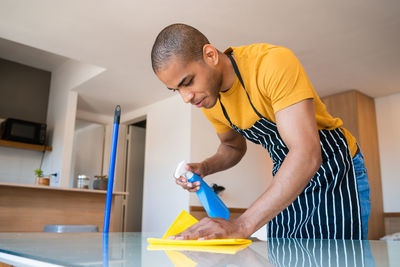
(181, 223)
(223, 249)
(173, 246)
(207, 242)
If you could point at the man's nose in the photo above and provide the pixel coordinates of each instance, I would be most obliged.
(186, 95)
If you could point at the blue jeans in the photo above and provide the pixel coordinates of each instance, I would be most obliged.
(363, 191)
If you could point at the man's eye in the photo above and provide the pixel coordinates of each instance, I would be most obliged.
(189, 83)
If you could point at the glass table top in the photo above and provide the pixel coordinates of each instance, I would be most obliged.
(132, 249)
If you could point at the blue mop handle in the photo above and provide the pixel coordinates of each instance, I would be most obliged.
(117, 116)
(105, 249)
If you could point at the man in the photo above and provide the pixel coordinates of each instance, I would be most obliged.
(261, 93)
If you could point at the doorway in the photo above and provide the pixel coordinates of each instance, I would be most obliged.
(135, 152)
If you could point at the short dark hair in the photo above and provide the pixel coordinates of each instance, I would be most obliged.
(179, 40)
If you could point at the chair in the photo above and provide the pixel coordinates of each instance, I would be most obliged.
(70, 228)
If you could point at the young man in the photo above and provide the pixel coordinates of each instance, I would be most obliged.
(261, 93)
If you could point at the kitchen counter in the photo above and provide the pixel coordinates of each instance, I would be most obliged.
(131, 249)
(34, 186)
(28, 208)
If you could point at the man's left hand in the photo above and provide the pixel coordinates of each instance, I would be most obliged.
(214, 228)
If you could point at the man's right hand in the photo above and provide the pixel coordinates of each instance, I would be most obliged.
(229, 153)
(199, 169)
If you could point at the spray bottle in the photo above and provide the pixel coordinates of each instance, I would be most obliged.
(210, 201)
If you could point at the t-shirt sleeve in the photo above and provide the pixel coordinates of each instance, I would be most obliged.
(216, 120)
(283, 79)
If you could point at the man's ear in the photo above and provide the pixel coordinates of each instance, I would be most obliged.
(210, 54)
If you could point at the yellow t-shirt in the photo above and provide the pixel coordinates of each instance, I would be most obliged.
(274, 80)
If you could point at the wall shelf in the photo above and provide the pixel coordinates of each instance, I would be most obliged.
(24, 145)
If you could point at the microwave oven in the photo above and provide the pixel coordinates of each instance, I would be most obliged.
(23, 131)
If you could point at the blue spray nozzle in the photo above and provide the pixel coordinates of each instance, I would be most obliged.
(212, 204)
(181, 171)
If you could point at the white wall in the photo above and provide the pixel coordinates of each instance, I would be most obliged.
(24, 93)
(244, 182)
(87, 155)
(387, 115)
(61, 116)
(167, 143)
(18, 165)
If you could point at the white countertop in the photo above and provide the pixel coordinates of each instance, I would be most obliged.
(132, 249)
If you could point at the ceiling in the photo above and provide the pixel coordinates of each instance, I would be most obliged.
(29, 56)
(342, 44)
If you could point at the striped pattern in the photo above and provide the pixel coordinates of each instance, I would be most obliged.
(329, 207)
(315, 252)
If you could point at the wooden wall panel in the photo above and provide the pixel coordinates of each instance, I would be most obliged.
(368, 140)
(343, 106)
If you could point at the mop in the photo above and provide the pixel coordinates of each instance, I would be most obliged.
(117, 116)
(107, 212)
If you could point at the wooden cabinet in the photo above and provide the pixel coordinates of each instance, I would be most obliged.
(357, 112)
(28, 208)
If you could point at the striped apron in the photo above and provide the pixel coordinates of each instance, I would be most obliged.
(329, 206)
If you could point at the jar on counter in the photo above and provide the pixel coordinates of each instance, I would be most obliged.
(82, 181)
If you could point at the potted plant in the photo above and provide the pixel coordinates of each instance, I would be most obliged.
(100, 182)
(39, 179)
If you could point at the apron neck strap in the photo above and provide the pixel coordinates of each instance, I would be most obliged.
(235, 67)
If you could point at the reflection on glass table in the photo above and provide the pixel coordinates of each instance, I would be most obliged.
(132, 249)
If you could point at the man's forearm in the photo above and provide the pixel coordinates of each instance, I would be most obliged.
(226, 157)
(291, 179)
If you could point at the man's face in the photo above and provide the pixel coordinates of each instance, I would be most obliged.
(198, 82)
